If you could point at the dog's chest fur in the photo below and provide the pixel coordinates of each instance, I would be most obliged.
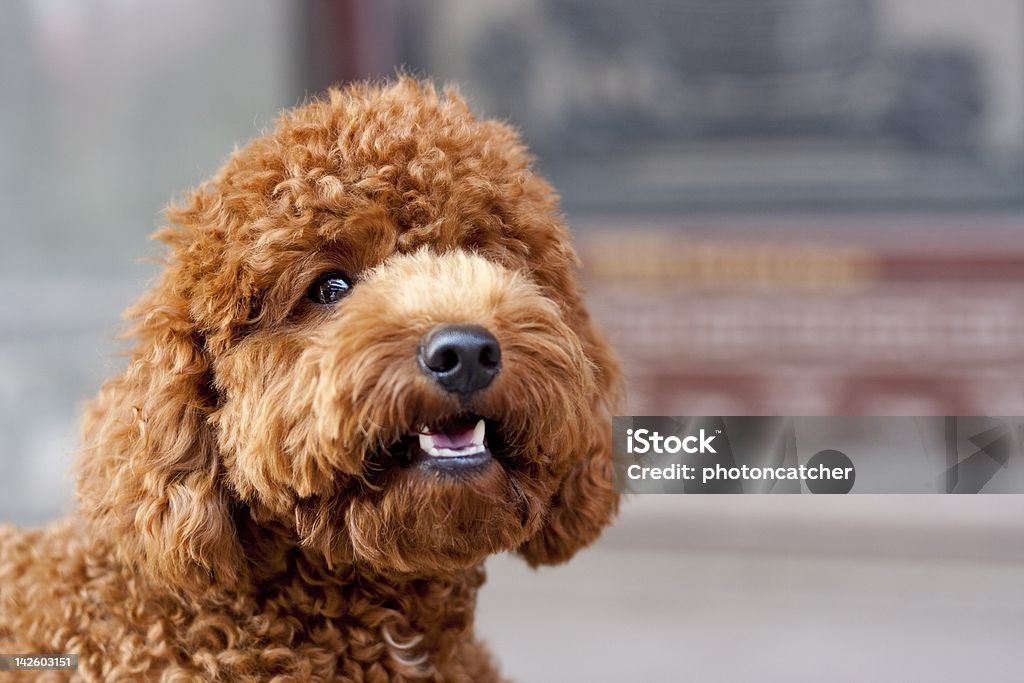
(60, 592)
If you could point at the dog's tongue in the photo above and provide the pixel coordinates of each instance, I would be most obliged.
(456, 435)
(457, 438)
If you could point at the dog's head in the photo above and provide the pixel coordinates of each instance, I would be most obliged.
(368, 334)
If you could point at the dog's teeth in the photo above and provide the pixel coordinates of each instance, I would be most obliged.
(427, 443)
(456, 452)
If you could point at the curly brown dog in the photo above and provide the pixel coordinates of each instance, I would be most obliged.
(365, 367)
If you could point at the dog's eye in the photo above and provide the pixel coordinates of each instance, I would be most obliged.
(329, 288)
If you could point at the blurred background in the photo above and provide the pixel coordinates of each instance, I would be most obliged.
(784, 207)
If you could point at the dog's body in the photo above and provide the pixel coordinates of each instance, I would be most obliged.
(365, 368)
(306, 623)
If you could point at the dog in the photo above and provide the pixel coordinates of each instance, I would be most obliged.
(365, 367)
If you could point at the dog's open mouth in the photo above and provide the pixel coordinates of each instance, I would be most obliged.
(458, 443)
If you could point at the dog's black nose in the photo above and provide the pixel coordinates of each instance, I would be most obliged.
(461, 358)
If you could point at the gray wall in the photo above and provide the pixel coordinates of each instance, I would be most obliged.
(108, 109)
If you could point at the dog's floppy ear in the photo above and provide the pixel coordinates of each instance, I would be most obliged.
(586, 500)
(149, 477)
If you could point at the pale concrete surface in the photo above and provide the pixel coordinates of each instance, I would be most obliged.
(692, 590)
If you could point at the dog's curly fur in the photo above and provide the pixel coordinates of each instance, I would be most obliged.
(242, 514)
